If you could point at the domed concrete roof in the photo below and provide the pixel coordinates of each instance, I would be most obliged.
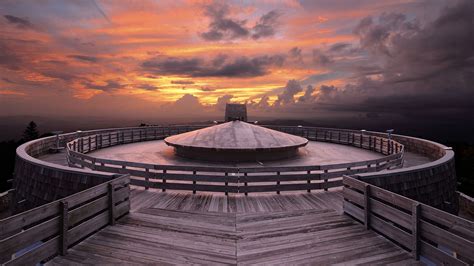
(236, 136)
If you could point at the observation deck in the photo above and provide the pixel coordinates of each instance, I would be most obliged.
(77, 207)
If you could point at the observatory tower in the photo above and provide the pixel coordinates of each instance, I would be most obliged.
(235, 111)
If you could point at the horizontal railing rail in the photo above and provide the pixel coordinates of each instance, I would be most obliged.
(425, 231)
(234, 179)
(41, 233)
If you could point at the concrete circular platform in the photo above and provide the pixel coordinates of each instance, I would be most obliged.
(314, 153)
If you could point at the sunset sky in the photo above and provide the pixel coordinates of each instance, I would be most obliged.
(283, 58)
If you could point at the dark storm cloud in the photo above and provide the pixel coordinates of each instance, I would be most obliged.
(223, 27)
(307, 94)
(295, 52)
(375, 36)
(337, 47)
(19, 22)
(197, 67)
(292, 88)
(9, 57)
(266, 25)
(411, 71)
(90, 59)
(321, 58)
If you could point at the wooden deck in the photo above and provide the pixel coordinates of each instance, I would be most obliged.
(182, 228)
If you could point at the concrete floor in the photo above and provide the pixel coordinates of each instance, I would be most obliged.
(315, 153)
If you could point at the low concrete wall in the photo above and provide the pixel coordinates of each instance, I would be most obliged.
(466, 205)
(433, 183)
(38, 182)
(4, 201)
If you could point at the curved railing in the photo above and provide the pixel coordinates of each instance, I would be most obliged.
(233, 179)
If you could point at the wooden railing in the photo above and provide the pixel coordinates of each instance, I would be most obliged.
(435, 235)
(39, 234)
(234, 179)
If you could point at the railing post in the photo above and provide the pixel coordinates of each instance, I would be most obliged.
(309, 181)
(325, 181)
(64, 227)
(164, 181)
(96, 141)
(367, 206)
(415, 223)
(90, 149)
(110, 139)
(194, 183)
(147, 178)
(245, 184)
(226, 184)
(278, 182)
(111, 188)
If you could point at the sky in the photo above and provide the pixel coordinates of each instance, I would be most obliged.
(404, 59)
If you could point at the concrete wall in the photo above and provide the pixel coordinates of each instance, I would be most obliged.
(37, 182)
(433, 183)
(466, 205)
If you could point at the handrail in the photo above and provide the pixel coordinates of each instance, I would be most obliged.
(236, 179)
(41, 233)
(425, 231)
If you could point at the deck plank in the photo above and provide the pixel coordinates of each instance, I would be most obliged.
(210, 228)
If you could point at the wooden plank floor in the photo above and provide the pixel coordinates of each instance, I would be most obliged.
(182, 228)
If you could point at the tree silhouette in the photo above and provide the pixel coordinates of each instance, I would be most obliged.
(31, 132)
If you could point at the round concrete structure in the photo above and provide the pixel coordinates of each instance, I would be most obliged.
(236, 141)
